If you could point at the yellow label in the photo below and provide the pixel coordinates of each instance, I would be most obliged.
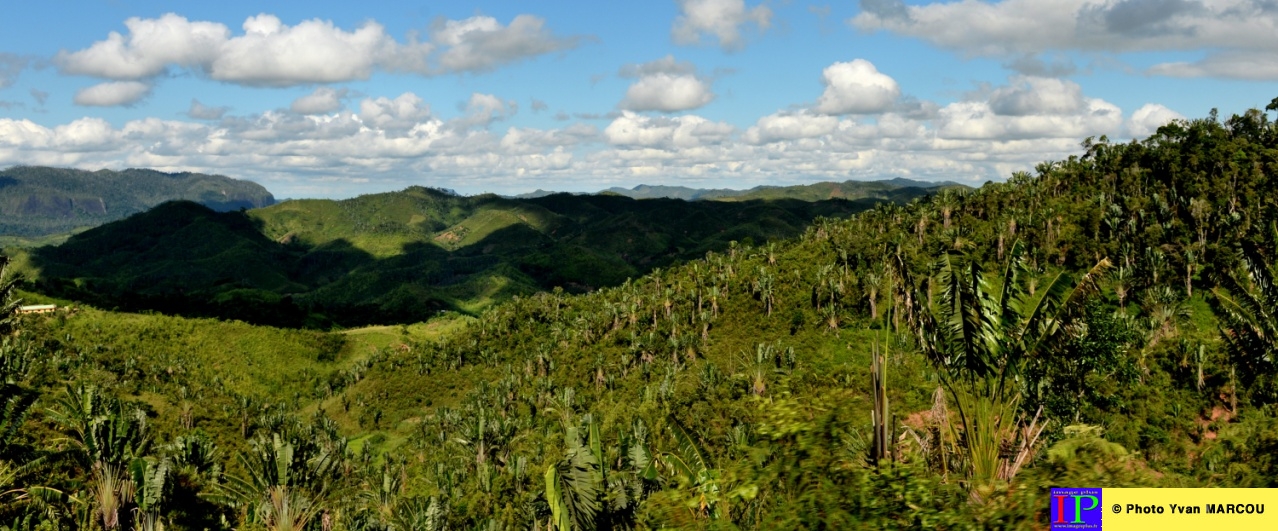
(1190, 509)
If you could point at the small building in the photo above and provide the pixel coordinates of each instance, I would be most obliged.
(37, 308)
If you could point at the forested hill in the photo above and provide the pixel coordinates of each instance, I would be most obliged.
(396, 257)
(37, 201)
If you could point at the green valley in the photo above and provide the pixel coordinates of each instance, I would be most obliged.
(395, 257)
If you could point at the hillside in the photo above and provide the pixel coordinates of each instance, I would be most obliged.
(1102, 322)
(38, 201)
(395, 257)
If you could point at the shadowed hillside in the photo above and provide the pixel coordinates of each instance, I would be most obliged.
(395, 257)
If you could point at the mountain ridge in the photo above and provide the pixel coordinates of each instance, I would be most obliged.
(850, 189)
(39, 200)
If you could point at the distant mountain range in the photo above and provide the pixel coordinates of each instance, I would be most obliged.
(37, 201)
(891, 189)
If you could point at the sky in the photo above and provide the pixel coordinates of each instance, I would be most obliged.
(338, 99)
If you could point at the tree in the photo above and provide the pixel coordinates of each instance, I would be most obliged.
(980, 337)
(8, 304)
(573, 486)
(1247, 303)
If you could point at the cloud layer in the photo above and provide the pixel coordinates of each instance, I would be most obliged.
(1241, 33)
(270, 53)
(320, 147)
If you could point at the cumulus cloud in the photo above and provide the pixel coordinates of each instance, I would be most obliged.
(665, 85)
(484, 109)
(789, 126)
(200, 111)
(1147, 119)
(271, 53)
(722, 19)
(1016, 28)
(112, 93)
(1027, 96)
(635, 130)
(323, 100)
(856, 87)
(1030, 108)
(404, 112)
(151, 46)
(481, 43)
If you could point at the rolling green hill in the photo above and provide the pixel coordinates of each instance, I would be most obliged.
(395, 257)
(39, 201)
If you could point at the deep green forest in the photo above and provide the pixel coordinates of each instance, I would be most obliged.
(1104, 321)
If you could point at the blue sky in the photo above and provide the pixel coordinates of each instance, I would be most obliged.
(335, 99)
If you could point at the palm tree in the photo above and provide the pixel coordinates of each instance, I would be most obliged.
(8, 304)
(980, 338)
(287, 478)
(873, 282)
(573, 486)
(1247, 303)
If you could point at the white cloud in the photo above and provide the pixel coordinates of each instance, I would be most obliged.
(481, 43)
(722, 19)
(151, 46)
(982, 120)
(665, 85)
(790, 126)
(271, 53)
(200, 111)
(856, 87)
(1024, 27)
(1147, 119)
(634, 130)
(112, 93)
(484, 109)
(404, 112)
(1036, 95)
(667, 93)
(322, 101)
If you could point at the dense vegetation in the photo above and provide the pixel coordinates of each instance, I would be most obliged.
(1106, 321)
(396, 257)
(38, 201)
